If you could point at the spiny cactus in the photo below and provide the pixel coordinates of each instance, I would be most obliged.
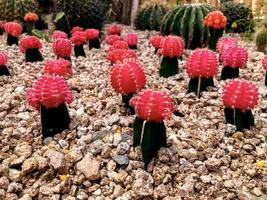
(92, 36)
(216, 22)
(30, 45)
(172, 48)
(76, 28)
(264, 64)
(239, 97)
(151, 108)
(150, 16)
(120, 44)
(127, 78)
(201, 66)
(3, 61)
(114, 29)
(118, 55)
(110, 39)
(224, 43)
(187, 21)
(78, 38)
(62, 48)
(49, 95)
(59, 34)
(30, 18)
(233, 58)
(59, 67)
(131, 39)
(13, 30)
(156, 41)
(261, 38)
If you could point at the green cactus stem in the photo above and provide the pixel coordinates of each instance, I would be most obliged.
(4, 70)
(79, 51)
(125, 100)
(266, 79)
(12, 40)
(151, 136)
(156, 51)
(229, 73)
(29, 26)
(168, 67)
(54, 120)
(199, 84)
(133, 46)
(214, 36)
(241, 119)
(95, 43)
(1, 31)
(33, 55)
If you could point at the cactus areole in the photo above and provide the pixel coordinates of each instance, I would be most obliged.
(239, 97)
(201, 66)
(172, 48)
(151, 108)
(93, 38)
(49, 95)
(13, 30)
(30, 45)
(127, 78)
(3, 61)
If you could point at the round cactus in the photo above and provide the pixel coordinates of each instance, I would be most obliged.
(264, 64)
(156, 41)
(62, 48)
(76, 28)
(120, 44)
(224, 43)
(239, 97)
(117, 55)
(151, 107)
(114, 29)
(13, 30)
(30, 45)
(93, 37)
(110, 39)
(3, 62)
(59, 67)
(232, 59)
(201, 66)
(79, 39)
(131, 39)
(216, 22)
(49, 95)
(59, 34)
(172, 47)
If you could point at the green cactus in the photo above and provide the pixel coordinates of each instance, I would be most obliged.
(261, 38)
(150, 16)
(16, 9)
(187, 21)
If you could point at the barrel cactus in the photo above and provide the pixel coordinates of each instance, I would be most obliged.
(150, 16)
(188, 21)
(261, 38)
(16, 9)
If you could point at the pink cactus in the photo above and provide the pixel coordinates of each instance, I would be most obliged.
(62, 47)
(225, 42)
(13, 28)
(78, 38)
(172, 46)
(110, 39)
(59, 34)
(114, 29)
(234, 57)
(117, 55)
(76, 28)
(131, 39)
(59, 67)
(29, 42)
(3, 58)
(92, 33)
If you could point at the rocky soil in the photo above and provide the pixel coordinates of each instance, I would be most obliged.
(205, 159)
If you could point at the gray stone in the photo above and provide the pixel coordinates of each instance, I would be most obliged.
(26, 197)
(123, 148)
(15, 187)
(213, 164)
(121, 159)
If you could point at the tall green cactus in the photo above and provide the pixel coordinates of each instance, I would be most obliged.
(261, 38)
(16, 9)
(150, 16)
(187, 21)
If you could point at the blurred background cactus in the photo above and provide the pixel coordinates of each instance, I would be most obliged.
(261, 38)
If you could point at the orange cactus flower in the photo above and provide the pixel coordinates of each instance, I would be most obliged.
(215, 19)
(31, 17)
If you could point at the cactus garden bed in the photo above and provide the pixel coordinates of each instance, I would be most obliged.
(204, 157)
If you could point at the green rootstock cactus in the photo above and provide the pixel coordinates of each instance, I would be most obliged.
(151, 107)
(187, 21)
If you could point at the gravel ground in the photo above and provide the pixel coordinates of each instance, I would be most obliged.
(205, 159)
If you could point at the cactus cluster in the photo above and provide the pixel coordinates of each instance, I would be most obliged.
(30, 45)
(187, 21)
(3, 61)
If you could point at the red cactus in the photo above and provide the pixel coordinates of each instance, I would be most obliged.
(78, 38)
(131, 39)
(156, 41)
(153, 105)
(264, 62)
(127, 77)
(172, 46)
(120, 54)
(31, 17)
(215, 19)
(49, 91)
(13, 28)
(240, 94)
(59, 34)
(76, 28)
(225, 42)
(59, 67)
(62, 47)
(3, 58)
(110, 39)
(114, 29)
(29, 42)
(234, 57)
(202, 63)
(92, 33)
(120, 44)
